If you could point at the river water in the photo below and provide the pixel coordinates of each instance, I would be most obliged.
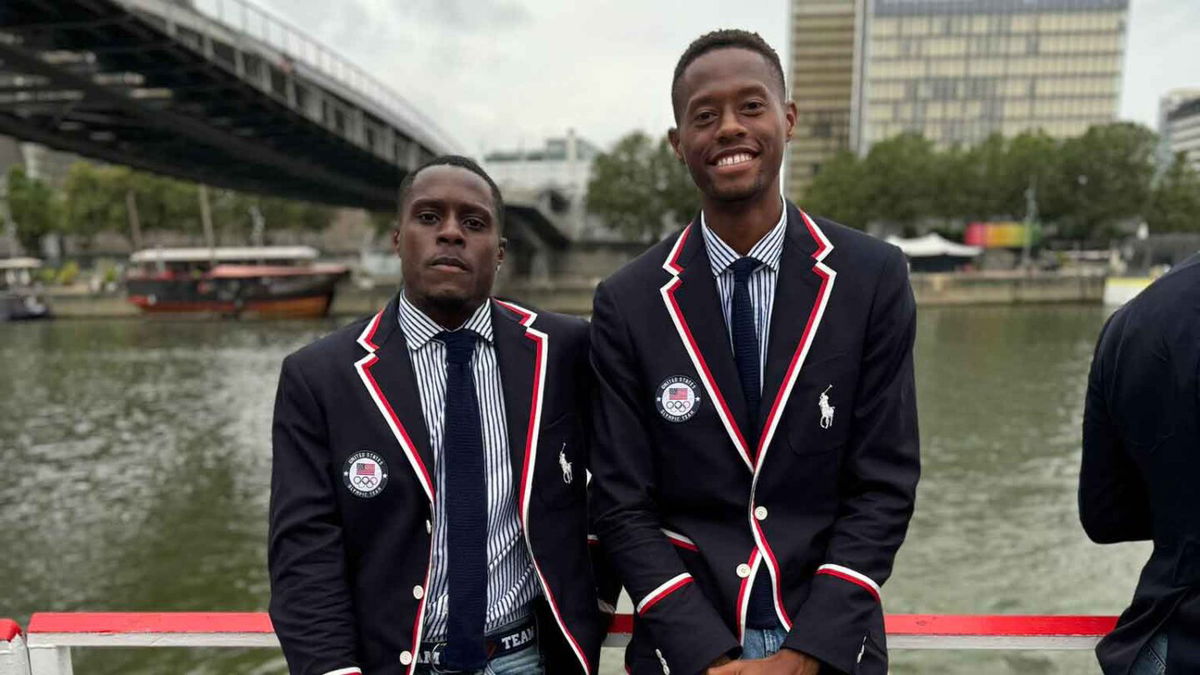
(135, 464)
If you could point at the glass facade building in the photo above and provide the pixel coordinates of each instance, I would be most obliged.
(957, 71)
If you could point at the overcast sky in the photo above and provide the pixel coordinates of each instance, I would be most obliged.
(501, 74)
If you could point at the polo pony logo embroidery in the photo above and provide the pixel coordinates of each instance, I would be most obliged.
(568, 475)
(826, 409)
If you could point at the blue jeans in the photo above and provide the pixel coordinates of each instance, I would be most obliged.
(762, 642)
(1153, 658)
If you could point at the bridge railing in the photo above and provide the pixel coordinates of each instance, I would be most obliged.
(51, 636)
(245, 18)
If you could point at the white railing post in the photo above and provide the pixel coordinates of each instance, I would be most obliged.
(49, 659)
(14, 657)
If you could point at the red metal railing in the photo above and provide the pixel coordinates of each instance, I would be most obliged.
(51, 635)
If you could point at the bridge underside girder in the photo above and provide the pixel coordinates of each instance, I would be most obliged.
(119, 84)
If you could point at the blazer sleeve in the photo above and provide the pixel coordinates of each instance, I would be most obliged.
(877, 484)
(311, 606)
(685, 627)
(1114, 505)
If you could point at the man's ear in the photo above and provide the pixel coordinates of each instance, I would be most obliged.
(790, 116)
(673, 139)
(396, 238)
(500, 253)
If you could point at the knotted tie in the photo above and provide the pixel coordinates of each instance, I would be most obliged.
(761, 611)
(466, 508)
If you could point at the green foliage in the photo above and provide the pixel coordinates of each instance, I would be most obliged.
(1175, 201)
(1086, 186)
(640, 188)
(68, 273)
(34, 207)
(95, 198)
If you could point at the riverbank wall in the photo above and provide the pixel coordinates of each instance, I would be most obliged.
(575, 296)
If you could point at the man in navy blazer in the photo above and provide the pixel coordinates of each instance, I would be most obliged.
(365, 519)
(756, 450)
(1140, 478)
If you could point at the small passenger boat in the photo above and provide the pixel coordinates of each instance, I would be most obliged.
(19, 298)
(258, 281)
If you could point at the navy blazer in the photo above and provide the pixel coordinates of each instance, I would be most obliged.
(348, 571)
(690, 514)
(1140, 477)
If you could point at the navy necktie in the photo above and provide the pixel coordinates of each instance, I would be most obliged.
(466, 508)
(761, 611)
(745, 342)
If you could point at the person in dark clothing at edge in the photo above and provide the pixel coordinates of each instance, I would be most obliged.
(756, 452)
(428, 492)
(1140, 477)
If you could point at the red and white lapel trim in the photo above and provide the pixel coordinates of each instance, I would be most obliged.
(680, 540)
(367, 340)
(668, 587)
(345, 671)
(671, 265)
(363, 367)
(743, 599)
(828, 275)
(542, 343)
(852, 576)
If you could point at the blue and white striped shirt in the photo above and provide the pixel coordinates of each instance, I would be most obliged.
(769, 251)
(511, 582)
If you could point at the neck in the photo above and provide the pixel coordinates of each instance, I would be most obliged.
(449, 314)
(741, 224)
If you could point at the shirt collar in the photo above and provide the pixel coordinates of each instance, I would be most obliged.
(419, 329)
(768, 250)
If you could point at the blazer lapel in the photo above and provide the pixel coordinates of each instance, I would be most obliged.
(801, 291)
(695, 305)
(516, 356)
(388, 374)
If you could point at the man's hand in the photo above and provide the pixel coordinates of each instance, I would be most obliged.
(785, 662)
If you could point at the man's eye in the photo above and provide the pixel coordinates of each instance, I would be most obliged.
(705, 117)
(754, 106)
(427, 218)
(474, 224)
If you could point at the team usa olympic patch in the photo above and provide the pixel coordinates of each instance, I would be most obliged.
(678, 399)
(365, 474)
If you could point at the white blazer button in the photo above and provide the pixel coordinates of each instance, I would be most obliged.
(428, 527)
(405, 658)
(760, 513)
(743, 570)
(418, 592)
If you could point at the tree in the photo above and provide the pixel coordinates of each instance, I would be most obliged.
(1175, 201)
(839, 191)
(34, 207)
(640, 188)
(897, 175)
(1102, 179)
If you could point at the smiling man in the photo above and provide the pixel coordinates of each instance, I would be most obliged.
(756, 433)
(428, 500)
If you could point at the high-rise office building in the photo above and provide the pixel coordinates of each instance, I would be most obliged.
(956, 71)
(1179, 127)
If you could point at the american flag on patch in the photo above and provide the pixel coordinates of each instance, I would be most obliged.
(677, 394)
(366, 469)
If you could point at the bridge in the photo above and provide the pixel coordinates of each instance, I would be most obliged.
(214, 91)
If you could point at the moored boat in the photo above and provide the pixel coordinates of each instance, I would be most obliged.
(260, 281)
(19, 299)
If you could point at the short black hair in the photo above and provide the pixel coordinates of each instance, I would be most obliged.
(462, 163)
(725, 38)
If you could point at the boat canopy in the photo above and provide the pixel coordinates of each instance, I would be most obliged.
(224, 253)
(19, 263)
(932, 245)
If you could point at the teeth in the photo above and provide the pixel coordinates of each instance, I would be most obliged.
(734, 159)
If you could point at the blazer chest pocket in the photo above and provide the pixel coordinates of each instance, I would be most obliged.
(560, 476)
